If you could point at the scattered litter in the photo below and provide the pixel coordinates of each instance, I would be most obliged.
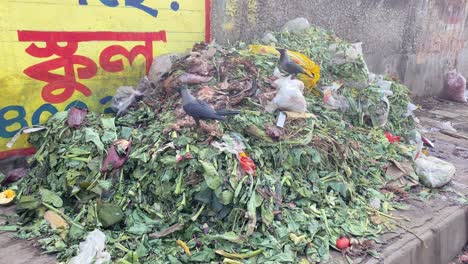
(447, 126)
(92, 250)
(434, 172)
(247, 164)
(332, 99)
(427, 142)
(281, 119)
(345, 54)
(150, 178)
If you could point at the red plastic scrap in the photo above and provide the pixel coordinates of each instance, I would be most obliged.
(247, 164)
(391, 138)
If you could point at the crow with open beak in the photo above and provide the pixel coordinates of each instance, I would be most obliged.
(200, 110)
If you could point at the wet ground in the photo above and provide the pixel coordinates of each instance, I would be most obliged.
(427, 212)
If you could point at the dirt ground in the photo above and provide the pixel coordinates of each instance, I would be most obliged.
(423, 212)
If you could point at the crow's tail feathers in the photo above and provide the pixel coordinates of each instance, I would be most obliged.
(227, 112)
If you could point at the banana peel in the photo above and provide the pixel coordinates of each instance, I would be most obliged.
(309, 66)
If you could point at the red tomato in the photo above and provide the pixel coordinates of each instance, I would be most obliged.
(343, 243)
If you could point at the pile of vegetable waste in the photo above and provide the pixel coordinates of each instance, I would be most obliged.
(241, 191)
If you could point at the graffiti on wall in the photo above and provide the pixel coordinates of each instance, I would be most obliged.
(59, 54)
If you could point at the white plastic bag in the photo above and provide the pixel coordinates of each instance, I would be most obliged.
(92, 250)
(434, 172)
(289, 96)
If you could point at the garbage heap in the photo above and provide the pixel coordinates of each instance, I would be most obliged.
(253, 189)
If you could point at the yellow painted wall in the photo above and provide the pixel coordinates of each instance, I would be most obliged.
(33, 70)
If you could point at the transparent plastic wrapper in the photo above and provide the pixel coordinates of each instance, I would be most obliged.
(161, 65)
(125, 97)
(410, 109)
(234, 144)
(434, 172)
(378, 113)
(333, 100)
(92, 250)
(454, 87)
(231, 143)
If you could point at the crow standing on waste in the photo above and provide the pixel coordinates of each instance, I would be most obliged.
(199, 109)
(290, 66)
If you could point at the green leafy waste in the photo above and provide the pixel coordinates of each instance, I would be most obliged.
(310, 187)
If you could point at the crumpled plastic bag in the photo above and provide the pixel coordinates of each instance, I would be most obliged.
(125, 97)
(434, 172)
(92, 250)
(454, 87)
(289, 96)
(268, 38)
(414, 139)
(232, 143)
(410, 109)
(378, 113)
(333, 100)
(296, 25)
(160, 66)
